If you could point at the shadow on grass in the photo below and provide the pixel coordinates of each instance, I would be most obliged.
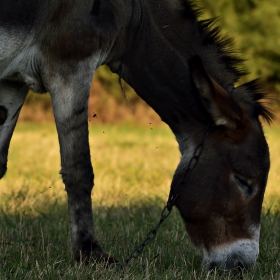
(37, 243)
(38, 238)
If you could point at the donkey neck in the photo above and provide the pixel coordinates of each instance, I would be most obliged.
(160, 76)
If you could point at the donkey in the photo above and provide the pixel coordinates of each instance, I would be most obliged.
(182, 72)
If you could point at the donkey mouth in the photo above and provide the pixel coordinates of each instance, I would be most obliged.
(232, 263)
(239, 255)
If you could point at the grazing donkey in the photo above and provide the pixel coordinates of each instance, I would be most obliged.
(182, 70)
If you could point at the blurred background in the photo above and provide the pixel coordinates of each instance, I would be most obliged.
(253, 24)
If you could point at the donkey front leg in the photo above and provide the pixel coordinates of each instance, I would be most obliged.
(71, 116)
(12, 96)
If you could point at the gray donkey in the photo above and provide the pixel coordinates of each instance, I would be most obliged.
(181, 68)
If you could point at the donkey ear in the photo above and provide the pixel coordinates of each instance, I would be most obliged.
(222, 108)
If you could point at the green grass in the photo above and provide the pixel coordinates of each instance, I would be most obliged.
(133, 166)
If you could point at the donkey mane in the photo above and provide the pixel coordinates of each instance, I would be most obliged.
(260, 98)
(210, 31)
(212, 35)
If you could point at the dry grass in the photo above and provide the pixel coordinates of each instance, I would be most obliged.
(133, 166)
(127, 164)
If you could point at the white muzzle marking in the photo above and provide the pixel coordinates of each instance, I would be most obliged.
(241, 252)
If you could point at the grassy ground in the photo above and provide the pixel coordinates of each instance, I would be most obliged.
(133, 166)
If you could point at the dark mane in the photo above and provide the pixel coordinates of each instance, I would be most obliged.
(229, 56)
(191, 10)
(260, 98)
(210, 31)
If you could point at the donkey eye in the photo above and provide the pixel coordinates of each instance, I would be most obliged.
(245, 185)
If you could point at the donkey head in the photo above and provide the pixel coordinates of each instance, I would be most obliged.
(220, 199)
